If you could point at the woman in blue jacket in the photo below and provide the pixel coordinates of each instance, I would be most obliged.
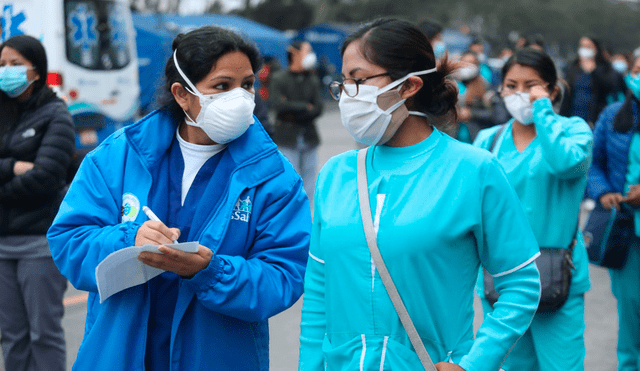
(208, 169)
(546, 157)
(615, 155)
(439, 210)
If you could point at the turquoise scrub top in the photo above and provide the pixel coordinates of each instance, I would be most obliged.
(440, 208)
(549, 177)
(633, 174)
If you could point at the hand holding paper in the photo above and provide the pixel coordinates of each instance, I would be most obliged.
(182, 263)
(122, 269)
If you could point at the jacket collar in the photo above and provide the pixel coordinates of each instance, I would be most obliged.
(151, 137)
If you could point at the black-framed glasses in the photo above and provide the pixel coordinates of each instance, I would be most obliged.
(336, 88)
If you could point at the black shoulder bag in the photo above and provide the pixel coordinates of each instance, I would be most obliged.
(555, 265)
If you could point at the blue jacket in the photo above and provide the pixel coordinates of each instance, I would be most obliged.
(610, 154)
(220, 318)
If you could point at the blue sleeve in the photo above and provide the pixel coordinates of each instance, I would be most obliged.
(597, 179)
(87, 228)
(270, 278)
(313, 323)
(508, 254)
(566, 142)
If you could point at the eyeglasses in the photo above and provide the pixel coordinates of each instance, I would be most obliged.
(336, 88)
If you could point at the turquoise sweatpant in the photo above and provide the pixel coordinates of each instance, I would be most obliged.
(625, 284)
(553, 342)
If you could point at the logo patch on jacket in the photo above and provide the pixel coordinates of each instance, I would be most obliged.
(130, 207)
(242, 210)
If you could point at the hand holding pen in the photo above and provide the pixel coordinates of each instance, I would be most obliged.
(155, 232)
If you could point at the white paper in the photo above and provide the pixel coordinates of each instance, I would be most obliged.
(121, 269)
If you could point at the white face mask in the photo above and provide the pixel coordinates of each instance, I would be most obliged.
(223, 116)
(586, 53)
(365, 120)
(309, 61)
(519, 106)
(466, 73)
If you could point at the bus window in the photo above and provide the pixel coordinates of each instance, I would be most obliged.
(96, 36)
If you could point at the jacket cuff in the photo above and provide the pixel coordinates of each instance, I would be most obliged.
(130, 234)
(208, 277)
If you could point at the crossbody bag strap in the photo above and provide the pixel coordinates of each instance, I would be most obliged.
(367, 221)
(495, 137)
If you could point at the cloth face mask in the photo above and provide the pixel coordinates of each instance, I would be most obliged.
(586, 53)
(364, 118)
(13, 80)
(519, 106)
(223, 116)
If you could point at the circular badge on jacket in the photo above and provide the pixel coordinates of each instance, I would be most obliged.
(130, 207)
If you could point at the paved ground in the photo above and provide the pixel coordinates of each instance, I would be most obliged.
(601, 317)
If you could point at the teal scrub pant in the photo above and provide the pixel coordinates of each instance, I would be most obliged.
(625, 284)
(553, 342)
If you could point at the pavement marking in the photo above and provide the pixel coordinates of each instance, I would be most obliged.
(76, 299)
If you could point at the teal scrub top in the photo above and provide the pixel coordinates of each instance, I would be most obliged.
(549, 177)
(633, 174)
(439, 208)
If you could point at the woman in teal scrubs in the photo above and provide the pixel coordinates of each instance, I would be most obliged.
(546, 157)
(614, 178)
(439, 208)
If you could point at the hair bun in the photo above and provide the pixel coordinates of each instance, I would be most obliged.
(176, 41)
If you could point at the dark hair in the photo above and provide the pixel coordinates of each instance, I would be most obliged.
(297, 45)
(430, 28)
(600, 59)
(401, 48)
(536, 39)
(623, 122)
(197, 53)
(536, 59)
(34, 52)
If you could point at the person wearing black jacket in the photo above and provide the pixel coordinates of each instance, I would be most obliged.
(297, 102)
(591, 80)
(37, 142)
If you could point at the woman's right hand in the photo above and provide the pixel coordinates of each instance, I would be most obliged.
(21, 167)
(610, 200)
(156, 233)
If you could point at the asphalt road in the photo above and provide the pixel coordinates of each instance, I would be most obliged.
(600, 311)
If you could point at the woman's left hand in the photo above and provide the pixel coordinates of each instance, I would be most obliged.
(185, 264)
(446, 366)
(633, 196)
(537, 92)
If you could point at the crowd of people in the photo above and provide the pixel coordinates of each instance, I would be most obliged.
(469, 180)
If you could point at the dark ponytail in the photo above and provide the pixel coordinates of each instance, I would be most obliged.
(401, 48)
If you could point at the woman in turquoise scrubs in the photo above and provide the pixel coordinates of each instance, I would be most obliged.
(439, 208)
(546, 157)
(616, 154)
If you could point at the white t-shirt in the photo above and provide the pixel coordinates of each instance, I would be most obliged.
(194, 155)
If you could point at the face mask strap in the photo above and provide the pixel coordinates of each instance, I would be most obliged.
(400, 81)
(195, 90)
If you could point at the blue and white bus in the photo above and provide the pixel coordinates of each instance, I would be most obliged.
(92, 59)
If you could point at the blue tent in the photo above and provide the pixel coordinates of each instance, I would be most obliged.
(153, 44)
(269, 41)
(326, 40)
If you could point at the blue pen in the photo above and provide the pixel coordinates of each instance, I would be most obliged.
(154, 217)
